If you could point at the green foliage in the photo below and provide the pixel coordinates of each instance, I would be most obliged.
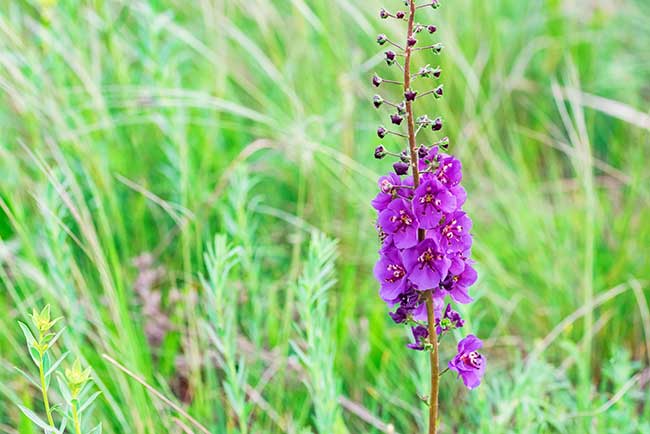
(149, 126)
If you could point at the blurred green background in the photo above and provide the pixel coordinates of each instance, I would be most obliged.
(132, 132)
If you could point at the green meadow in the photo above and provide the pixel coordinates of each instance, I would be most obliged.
(188, 184)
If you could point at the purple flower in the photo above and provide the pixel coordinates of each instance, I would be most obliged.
(454, 233)
(398, 220)
(448, 321)
(449, 172)
(426, 264)
(457, 285)
(430, 201)
(420, 334)
(468, 363)
(391, 275)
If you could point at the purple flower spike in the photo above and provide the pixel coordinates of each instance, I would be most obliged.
(426, 264)
(391, 274)
(431, 200)
(398, 220)
(468, 363)
(420, 334)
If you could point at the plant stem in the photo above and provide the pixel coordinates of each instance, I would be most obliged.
(46, 402)
(75, 419)
(433, 355)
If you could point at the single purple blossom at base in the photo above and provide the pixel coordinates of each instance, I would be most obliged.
(468, 363)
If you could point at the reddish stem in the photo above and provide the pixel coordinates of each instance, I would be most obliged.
(433, 354)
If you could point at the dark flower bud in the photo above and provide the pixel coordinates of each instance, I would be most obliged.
(377, 101)
(376, 80)
(437, 48)
(410, 95)
(404, 156)
(401, 168)
(418, 28)
(423, 151)
(383, 14)
(437, 72)
(396, 119)
(439, 92)
(390, 57)
(380, 152)
(435, 4)
(432, 29)
(382, 39)
(437, 124)
(411, 41)
(401, 108)
(443, 143)
(400, 15)
(381, 132)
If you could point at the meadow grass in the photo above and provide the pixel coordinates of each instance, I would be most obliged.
(232, 140)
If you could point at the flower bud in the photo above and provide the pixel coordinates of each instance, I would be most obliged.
(390, 57)
(401, 168)
(432, 29)
(380, 152)
(439, 92)
(404, 156)
(396, 119)
(376, 80)
(410, 95)
(437, 72)
(401, 108)
(381, 132)
(443, 143)
(411, 41)
(437, 124)
(382, 39)
(418, 28)
(423, 151)
(383, 14)
(435, 4)
(437, 48)
(377, 101)
(423, 121)
(400, 15)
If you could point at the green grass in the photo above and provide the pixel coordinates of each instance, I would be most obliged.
(129, 127)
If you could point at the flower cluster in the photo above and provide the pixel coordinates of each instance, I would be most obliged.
(424, 232)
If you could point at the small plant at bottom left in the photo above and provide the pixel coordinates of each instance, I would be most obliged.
(74, 384)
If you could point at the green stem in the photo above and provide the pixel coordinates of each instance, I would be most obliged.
(46, 401)
(75, 419)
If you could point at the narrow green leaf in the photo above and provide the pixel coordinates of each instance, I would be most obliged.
(56, 364)
(89, 401)
(28, 377)
(36, 419)
(30, 342)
